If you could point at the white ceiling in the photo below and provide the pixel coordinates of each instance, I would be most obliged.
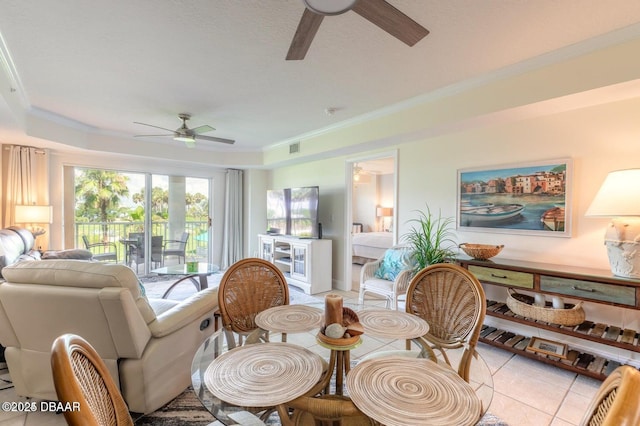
(102, 65)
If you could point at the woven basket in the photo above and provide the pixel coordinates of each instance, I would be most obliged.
(573, 316)
(481, 251)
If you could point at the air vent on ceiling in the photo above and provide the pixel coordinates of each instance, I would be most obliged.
(294, 148)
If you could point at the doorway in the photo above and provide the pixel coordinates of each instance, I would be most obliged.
(371, 201)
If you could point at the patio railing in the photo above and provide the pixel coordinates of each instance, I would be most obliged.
(117, 231)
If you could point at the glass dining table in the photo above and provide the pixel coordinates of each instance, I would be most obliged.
(243, 385)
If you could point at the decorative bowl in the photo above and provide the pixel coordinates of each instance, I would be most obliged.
(481, 251)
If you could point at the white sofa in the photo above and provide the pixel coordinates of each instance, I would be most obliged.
(148, 345)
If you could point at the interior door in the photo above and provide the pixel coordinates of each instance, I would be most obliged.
(371, 200)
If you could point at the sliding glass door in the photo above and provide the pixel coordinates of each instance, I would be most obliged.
(154, 220)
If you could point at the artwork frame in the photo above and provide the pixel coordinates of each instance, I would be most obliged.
(531, 198)
(548, 347)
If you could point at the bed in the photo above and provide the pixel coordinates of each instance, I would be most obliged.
(370, 245)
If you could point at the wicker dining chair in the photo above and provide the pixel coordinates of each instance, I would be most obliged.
(247, 288)
(616, 402)
(452, 301)
(81, 377)
(323, 410)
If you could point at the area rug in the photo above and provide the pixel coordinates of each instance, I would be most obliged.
(186, 409)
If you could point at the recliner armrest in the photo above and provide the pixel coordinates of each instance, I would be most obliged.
(185, 312)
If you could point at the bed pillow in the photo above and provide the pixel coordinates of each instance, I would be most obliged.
(395, 260)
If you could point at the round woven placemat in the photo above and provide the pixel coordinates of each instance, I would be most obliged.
(399, 391)
(392, 324)
(263, 374)
(290, 318)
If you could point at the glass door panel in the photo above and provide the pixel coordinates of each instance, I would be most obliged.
(180, 214)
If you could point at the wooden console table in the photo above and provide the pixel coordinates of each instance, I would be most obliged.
(586, 284)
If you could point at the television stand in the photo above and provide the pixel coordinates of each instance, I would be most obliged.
(305, 262)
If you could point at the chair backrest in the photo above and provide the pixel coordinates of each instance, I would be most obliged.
(616, 402)
(247, 288)
(452, 301)
(183, 240)
(87, 244)
(81, 379)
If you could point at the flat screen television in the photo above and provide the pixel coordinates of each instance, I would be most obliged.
(278, 211)
(304, 212)
(293, 211)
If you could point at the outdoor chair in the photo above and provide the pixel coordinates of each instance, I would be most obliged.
(137, 251)
(102, 251)
(176, 248)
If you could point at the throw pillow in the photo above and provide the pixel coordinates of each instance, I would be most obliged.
(143, 291)
(395, 261)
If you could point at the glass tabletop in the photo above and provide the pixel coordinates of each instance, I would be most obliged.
(202, 268)
(370, 346)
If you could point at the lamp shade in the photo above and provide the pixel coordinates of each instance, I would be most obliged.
(33, 214)
(384, 211)
(618, 196)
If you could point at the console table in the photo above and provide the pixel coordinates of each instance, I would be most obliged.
(586, 284)
(305, 263)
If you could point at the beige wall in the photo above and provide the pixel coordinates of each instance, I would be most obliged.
(598, 139)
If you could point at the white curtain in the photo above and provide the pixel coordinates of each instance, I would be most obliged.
(232, 237)
(25, 169)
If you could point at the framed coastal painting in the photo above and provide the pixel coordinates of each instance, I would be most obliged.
(526, 198)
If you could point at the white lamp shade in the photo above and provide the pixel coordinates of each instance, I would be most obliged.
(384, 211)
(33, 214)
(618, 196)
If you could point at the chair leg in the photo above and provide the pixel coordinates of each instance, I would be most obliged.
(361, 296)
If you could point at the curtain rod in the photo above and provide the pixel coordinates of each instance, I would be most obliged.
(37, 151)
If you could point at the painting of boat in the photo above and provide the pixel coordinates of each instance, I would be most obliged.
(553, 219)
(468, 206)
(491, 213)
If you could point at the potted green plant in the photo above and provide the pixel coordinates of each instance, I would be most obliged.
(432, 238)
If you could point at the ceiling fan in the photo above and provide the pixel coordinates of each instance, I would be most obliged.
(187, 135)
(379, 12)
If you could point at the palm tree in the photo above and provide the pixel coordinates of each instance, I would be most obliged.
(98, 195)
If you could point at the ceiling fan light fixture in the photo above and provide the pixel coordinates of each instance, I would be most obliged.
(329, 7)
(185, 139)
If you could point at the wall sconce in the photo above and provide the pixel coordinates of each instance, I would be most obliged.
(384, 213)
(619, 198)
(34, 215)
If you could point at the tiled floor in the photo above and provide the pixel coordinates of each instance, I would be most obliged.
(526, 392)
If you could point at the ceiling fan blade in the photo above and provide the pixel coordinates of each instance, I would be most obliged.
(202, 129)
(142, 136)
(157, 127)
(391, 20)
(214, 139)
(307, 29)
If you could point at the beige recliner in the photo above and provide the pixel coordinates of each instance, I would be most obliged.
(148, 345)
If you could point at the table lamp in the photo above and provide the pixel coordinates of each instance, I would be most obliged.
(384, 213)
(34, 215)
(619, 198)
